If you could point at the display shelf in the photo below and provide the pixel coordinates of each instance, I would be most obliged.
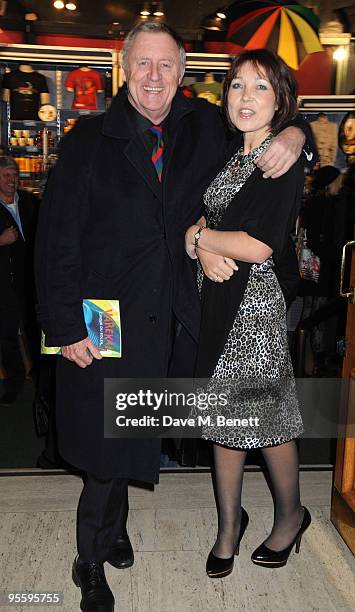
(30, 175)
(32, 123)
(64, 112)
(36, 151)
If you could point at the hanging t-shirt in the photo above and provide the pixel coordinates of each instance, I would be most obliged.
(85, 84)
(210, 91)
(25, 89)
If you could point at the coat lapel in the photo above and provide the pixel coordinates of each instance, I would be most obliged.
(137, 154)
(117, 124)
(7, 219)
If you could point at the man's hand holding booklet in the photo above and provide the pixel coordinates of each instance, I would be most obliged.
(103, 322)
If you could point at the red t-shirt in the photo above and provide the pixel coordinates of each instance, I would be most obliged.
(85, 84)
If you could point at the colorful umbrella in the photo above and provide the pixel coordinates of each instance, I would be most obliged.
(289, 29)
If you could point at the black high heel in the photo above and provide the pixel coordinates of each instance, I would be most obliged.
(219, 568)
(278, 558)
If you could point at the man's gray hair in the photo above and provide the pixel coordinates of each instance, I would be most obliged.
(7, 162)
(152, 27)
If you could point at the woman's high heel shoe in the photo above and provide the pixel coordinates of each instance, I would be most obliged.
(278, 558)
(217, 567)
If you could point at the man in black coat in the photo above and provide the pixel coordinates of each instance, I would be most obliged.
(112, 226)
(18, 215)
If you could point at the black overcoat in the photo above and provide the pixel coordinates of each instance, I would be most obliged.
(109, 230)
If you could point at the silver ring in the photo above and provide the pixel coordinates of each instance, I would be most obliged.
(216, 277)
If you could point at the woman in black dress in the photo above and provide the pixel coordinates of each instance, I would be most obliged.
(243, 344)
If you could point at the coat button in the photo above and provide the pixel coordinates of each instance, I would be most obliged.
(152, 318)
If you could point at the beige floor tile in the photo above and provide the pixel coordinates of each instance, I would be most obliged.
(61, 492)
(172, 530)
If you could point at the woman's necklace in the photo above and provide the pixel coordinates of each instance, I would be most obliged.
(240, 160)
(243, 159)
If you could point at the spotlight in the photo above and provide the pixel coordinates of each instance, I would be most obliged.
(340, 54)
(145, 9)
(70, 6)
(212, 22)
(58, 4)
(221, 15)
(158, 8)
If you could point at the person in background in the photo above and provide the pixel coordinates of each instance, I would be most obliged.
(324, 217)
(126, 186)
(18, 217)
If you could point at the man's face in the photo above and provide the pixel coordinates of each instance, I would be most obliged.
(8, 182)
(153, 74)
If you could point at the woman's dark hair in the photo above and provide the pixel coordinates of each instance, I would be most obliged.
(282, 82)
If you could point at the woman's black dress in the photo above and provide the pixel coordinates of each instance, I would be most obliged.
(243, 342)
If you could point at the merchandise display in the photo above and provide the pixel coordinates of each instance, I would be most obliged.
(26, 90)
(47, 112)
(69, 124)
(209, 89)
(327, 129)
(326, 136)
(38, 109)
(85, 83)
(347, 137)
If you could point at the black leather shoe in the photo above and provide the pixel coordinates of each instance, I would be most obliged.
(278, 558)
(96, 595)
(219, 568)
(121, 553)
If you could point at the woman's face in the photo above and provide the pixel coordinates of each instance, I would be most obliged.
(251, 101)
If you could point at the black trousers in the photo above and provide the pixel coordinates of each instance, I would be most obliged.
(103, 506)
(102, 516)
(10, 349)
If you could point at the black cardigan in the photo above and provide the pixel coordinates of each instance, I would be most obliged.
(267, 210)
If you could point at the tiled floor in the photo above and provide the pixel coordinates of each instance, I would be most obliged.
(172, 530)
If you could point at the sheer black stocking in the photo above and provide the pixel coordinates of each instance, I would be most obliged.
(229, 468)
(282, 464)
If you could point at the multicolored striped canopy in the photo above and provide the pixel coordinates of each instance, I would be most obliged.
(289, 29)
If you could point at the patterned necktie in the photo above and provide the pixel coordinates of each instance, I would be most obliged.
(158, 149)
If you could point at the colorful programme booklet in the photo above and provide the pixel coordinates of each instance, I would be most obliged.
(103, 322)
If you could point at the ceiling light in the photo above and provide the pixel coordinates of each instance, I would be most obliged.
(70, 6)
(221, 15)
(158, 9)
(340, 54)
(58, 4)
(211, 22)
(145, 13)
